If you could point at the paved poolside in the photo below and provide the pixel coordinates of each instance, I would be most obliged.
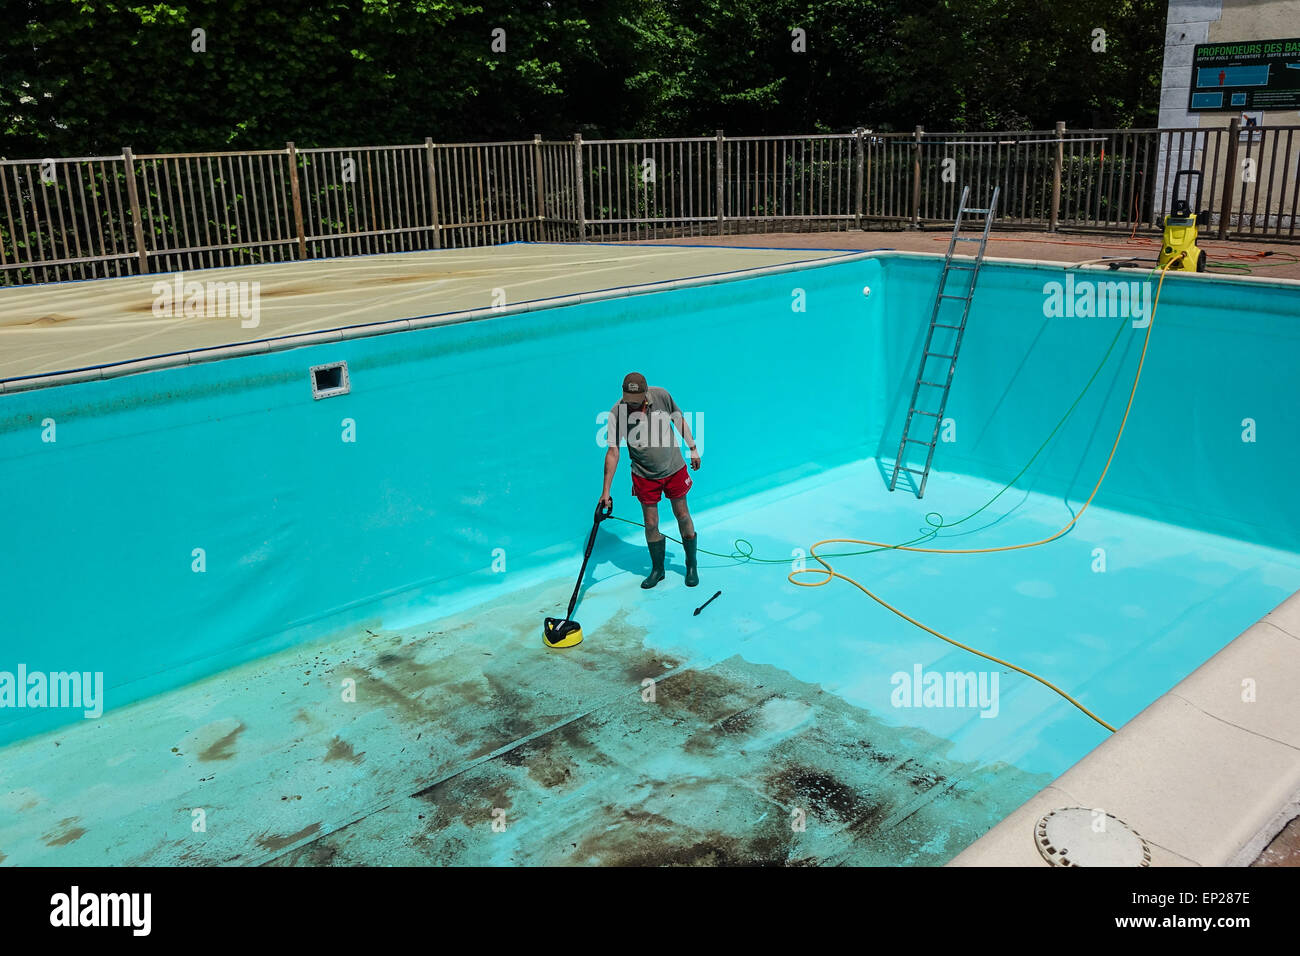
(99, 322)
(1066, 247)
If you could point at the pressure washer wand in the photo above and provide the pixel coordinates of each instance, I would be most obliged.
(601, 515)
(707, 603)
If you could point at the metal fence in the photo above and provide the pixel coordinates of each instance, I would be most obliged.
(1108, 180)
(99, 216)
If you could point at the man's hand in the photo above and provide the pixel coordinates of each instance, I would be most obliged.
(695, 459)
(606, 502)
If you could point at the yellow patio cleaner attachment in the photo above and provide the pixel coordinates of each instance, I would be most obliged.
(566, 632)
(1178, 249)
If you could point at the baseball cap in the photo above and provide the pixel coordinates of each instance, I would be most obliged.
(634, 384)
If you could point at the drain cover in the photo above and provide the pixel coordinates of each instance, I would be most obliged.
(1077, 836)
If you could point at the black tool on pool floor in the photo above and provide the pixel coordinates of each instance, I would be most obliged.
(707, 603)
(566, 632)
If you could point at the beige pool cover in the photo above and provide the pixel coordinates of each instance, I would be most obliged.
(73, 325)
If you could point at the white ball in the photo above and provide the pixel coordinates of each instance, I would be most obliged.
(866, 290)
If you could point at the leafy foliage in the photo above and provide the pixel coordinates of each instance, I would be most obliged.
(85, 77)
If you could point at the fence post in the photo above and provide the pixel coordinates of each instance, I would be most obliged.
(133, 197)
(541, 187)
(1057, 163)
(297, 199)
(430, 173)
(719, 191)
(860, 143)
(580, 193)
(916, 177)
(1230, 173)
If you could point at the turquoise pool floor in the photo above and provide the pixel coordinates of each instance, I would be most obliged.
(771, 736)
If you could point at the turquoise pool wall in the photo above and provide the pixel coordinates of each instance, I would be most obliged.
(468, 438)
(1221, 352)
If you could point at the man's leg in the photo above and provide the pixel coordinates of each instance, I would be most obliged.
(687, 527)
(654, 540)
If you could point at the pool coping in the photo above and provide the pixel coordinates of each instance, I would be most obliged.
(1204, 775)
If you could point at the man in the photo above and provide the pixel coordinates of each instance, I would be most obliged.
(644, 418)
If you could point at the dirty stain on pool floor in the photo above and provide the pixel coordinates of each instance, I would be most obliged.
(470, 744)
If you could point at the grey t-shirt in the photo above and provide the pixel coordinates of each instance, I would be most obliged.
(652, 444)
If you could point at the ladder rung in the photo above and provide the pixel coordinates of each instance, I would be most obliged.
(917, 441)
(912, 470)
(982, 211)
(947, 296)
(967, 238)
(940, 325)
(932, 384)
(963, 268)
(940, 355)
(917, 411)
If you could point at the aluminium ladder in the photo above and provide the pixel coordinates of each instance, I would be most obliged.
(942, 347)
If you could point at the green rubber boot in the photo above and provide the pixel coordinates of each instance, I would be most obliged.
(692, 573)
(657, 562)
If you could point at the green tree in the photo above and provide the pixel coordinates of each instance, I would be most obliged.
(89, 76)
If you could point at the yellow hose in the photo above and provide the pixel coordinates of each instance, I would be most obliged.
(826, 572)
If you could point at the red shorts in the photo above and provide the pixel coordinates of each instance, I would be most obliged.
(675, 486)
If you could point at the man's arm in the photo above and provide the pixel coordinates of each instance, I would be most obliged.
(613, 438)
(684, 427)
(611, 466)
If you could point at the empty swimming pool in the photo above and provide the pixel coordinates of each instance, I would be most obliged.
(323, 615)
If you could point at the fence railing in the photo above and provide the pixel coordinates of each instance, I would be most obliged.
(99, 216)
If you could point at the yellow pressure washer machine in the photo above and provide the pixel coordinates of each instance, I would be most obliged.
(1182, 228)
